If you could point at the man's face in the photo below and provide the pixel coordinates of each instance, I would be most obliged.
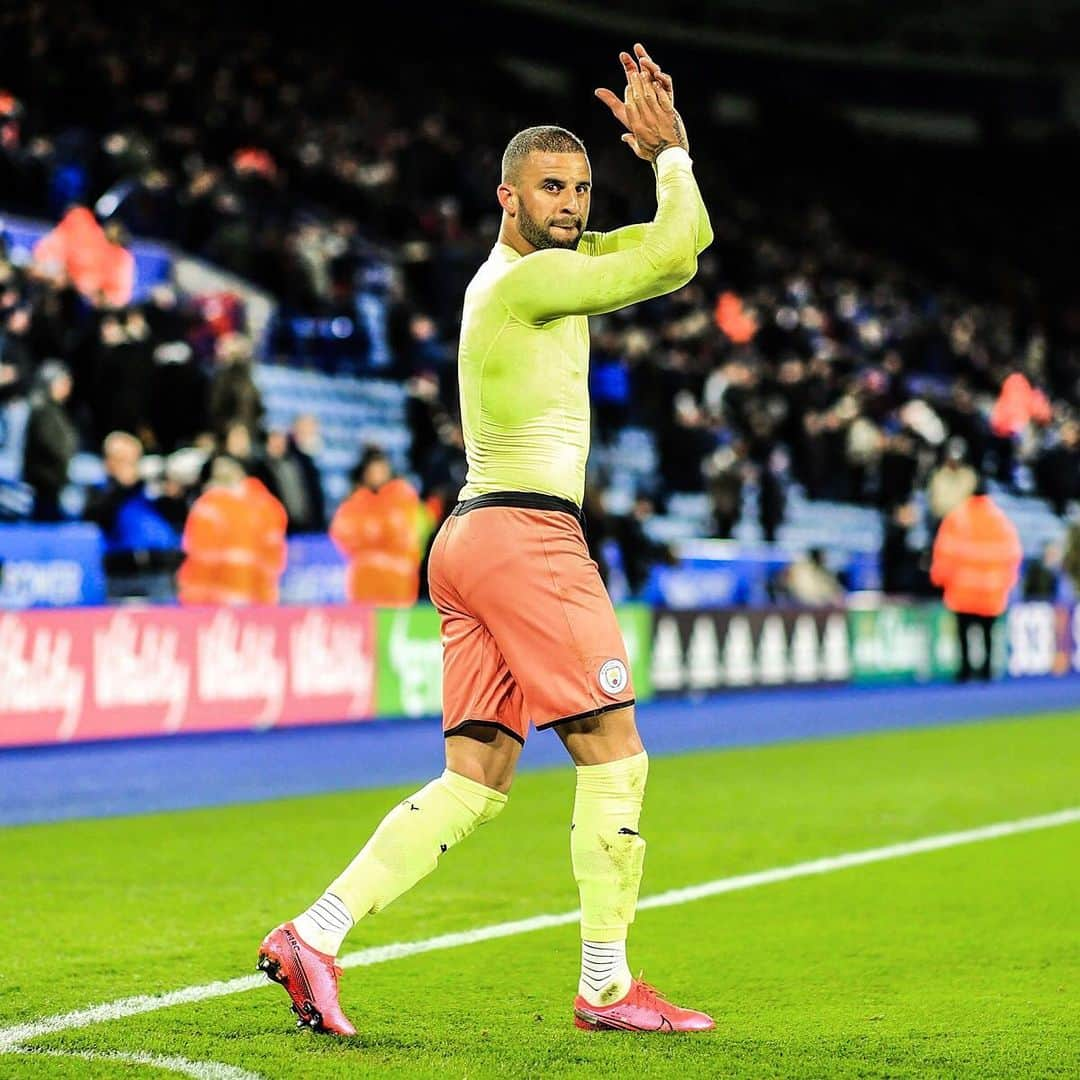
(61, 388)
(377, 473)
(551, 199)
(122, 461)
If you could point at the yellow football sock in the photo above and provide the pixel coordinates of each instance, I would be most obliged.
(608, 857)
(407, 844)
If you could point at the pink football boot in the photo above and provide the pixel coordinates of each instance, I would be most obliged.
(643, 1009)
(309, 976)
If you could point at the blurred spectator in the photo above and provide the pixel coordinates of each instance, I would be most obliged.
(807, 580)
(596, 525)
(234, 541)
(237, 444)
(950, 483)
(1057, 469)
(1042, 578)
(976, 560)
(377, 529)
(1071, 559)
(724, 470)
(1018, 405)
(234, 397)
(865, 443)
(180, 484)
(900, 563)
(137, 535)
(51, 441)
(609, 390)
(16, 357)
(899, 469)
(123, 372)
(306, 437)
(772, 497)
(94, 259)
(638, 553)
(684, 440)
(291, 476)
(178, 396)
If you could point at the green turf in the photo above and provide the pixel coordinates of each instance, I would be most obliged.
(956, 963)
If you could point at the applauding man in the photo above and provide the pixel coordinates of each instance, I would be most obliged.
(529, 632)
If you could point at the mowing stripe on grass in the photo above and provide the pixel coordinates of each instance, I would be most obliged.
(11, 1037)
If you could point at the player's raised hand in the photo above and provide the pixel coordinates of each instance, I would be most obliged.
(646, 110)
(647, 62)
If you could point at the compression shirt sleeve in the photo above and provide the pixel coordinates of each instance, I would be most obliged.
(555, 282)
(630, 236)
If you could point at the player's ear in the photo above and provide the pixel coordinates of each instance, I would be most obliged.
(508, 199)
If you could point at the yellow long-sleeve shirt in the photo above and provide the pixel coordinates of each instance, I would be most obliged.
(523, 359)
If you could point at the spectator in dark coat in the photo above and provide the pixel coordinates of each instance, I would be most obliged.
(772, 498)
(51, 441)
(1042, 578)
(16, 357)
(1057, 470)
(233, 393)
(638, 552)
(902, 572)
(122, 377)
(724, 470)
(287, 474)
(178, 398)
(899, 468)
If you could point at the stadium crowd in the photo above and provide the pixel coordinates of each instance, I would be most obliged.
(796, 355)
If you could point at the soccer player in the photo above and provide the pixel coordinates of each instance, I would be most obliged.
(528, 629)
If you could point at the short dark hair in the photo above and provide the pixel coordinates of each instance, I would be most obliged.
(546, 139)
(370, 453)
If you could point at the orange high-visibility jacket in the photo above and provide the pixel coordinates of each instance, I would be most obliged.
(977, 557)
(94, 264)
(235, 546)
(379, 533)
(1017, 405)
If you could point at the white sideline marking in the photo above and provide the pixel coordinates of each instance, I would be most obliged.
(11, 1037)
(200, 1070)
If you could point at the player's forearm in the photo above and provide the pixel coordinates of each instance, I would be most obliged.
(671, 237)
(704, 229)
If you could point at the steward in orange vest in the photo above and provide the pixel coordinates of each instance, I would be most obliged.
(977, 557)
(234, 539)
(377, 528)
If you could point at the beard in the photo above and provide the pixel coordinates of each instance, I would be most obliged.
(540, 236)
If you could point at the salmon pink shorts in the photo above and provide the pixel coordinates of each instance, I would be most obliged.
(528, 630)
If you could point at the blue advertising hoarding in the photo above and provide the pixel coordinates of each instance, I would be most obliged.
(44, 566)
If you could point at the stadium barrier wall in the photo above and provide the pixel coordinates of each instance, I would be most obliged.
(97, 673)
(706, 650)
(51, 566)
(126, 672)
(120, 672)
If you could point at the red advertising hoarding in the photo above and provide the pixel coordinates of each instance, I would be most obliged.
(120, 672)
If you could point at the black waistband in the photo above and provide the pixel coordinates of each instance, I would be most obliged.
(522, 500)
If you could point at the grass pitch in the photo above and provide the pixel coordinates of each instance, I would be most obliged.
(961, 962)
